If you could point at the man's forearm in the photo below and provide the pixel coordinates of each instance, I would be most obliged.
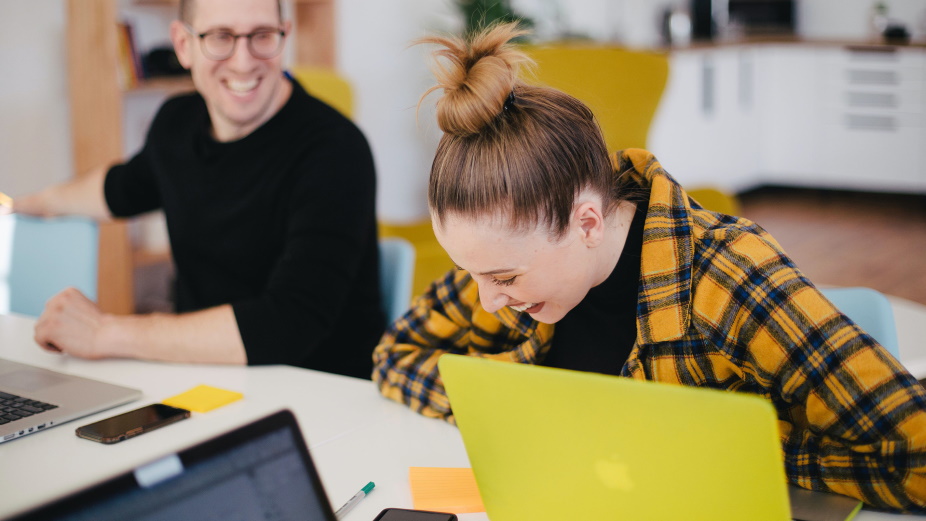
(82, 195)
(207, 336)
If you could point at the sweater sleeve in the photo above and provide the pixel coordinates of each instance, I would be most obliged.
(852, 419)
(130, 188)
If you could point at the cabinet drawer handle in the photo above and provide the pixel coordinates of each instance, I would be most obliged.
(872, 100)
(707, 86)
(868, 122)
(872, 77)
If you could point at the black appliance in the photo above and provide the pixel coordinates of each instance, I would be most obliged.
(754, 17)
(762, 16)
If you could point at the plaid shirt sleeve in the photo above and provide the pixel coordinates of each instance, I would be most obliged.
(723, 307)
(852, 420)
(448, 319)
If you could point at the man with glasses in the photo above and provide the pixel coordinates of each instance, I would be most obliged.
(269, 196)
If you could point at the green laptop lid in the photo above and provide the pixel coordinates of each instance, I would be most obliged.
(552, 444)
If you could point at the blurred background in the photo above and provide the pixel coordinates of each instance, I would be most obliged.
(807, 116)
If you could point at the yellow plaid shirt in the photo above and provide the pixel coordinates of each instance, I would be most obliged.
(720, 306)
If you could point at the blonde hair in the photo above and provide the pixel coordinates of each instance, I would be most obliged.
(510, 148)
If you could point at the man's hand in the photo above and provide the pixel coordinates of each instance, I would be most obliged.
(6, 204)
(33, 204)
(72, 324)
(82, 195)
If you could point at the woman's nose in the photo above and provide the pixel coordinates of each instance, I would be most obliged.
(492, 300)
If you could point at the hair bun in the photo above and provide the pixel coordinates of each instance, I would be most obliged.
(477, 74)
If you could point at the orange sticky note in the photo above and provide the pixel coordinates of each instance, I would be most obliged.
(445, 489)
(203, 398)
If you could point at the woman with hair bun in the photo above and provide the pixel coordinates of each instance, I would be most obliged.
(571, 259)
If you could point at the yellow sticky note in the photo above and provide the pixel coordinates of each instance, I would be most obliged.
(203, 398)
(445, 489)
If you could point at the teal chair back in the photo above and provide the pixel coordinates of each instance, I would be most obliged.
(40, 257)
(396, 272)
(872, 312)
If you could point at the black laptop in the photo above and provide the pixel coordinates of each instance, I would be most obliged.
(260, 471)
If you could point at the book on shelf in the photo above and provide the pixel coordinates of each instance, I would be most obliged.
(129, 68)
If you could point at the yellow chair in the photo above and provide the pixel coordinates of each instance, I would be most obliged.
(328, 86)
(715, 200)
(621, 86)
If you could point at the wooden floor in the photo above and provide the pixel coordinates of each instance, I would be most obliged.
(848, 238)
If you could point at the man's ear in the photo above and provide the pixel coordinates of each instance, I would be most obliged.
(589, 222)
(183, 43)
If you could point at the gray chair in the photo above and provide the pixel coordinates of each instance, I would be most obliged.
(871, 311)
(40, 257)
(396, 272)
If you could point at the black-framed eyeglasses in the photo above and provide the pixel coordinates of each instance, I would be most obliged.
(219, 44)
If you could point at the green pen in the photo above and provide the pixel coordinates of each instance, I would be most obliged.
(352, 502)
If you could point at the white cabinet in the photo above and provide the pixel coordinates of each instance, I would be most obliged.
(787, 81)
(873, 127)
(798, 114)
(703, 132)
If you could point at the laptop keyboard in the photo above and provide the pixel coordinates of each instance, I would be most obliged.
(14, 407)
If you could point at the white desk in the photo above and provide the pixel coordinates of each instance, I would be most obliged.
(354, 435)
(46, 465)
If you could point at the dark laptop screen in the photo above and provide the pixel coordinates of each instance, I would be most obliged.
(258, 472)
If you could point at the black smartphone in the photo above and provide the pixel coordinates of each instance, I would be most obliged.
(132, 423)
(401, 514)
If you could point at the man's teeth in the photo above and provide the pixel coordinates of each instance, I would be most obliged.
(523, 307)
(242, 86)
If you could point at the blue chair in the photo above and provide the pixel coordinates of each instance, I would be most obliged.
(396, 272)
(40, 257)
(869, 309)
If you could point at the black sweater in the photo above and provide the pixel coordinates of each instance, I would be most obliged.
(599, 333)
(281, 224)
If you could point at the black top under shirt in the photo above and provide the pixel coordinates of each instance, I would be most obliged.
(281, 224)
(598, 334)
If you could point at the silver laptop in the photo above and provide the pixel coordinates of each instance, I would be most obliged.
(33, 399)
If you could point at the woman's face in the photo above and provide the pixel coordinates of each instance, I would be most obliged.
(527, 271)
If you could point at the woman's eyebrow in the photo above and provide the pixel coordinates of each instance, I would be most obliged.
(492, 272)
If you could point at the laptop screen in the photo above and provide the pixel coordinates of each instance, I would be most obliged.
(261, 471)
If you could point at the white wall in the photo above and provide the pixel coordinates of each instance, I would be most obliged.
(388, 77)
(849, 19)
(633, 23)
(35, 137)
(373, 52)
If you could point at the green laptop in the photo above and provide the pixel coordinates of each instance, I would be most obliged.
(552, 444)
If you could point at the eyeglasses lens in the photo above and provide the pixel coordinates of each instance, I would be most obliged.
(261, 44)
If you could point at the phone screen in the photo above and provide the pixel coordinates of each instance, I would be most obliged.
(401, 514)
(132, 423)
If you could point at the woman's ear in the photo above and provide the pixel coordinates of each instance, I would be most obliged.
(588, 221)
